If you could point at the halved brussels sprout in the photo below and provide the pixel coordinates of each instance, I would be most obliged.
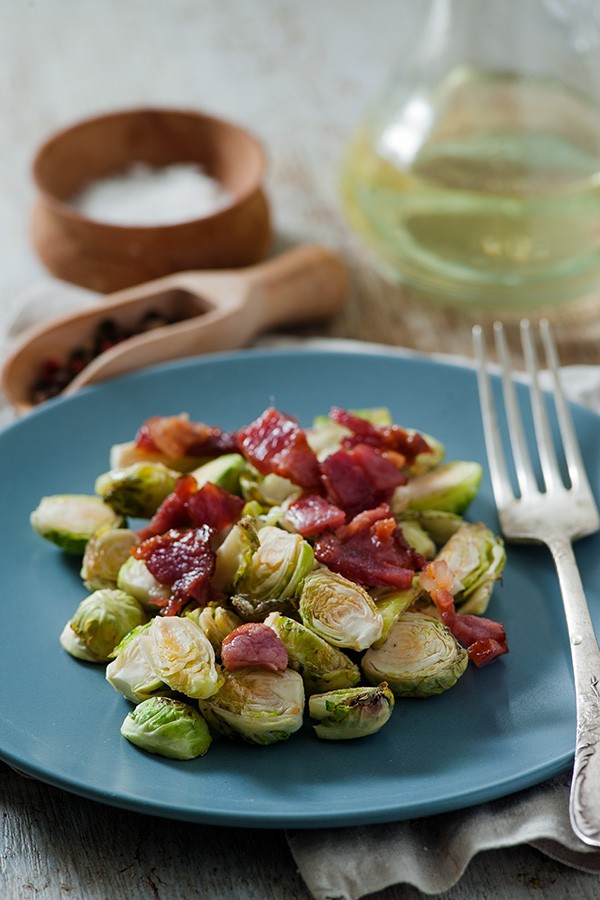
(130, 672)
(256, 705)
(450, 486)
(167, 727)
(264, 515)
(440, 524)
(137, 490)
(182, 656)
(104, 618)
(391, 603)
(128, 453)
(224, 471)
(322, 667)
(417, 537)
(70, 520)
(73, 644)
(476, 558)
(251, 609)
(278, 566)
(423, 462)
(268, 490)
(339, 610)
(351, 713)
(136, 579)
(234, 556)
(420, 657)
(216, 622)
(104, 555)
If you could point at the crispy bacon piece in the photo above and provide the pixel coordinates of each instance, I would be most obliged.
(276, 443)
(359, 478)
(371, 550)
(184, 561)
(382, 437)
(483, 638)
(254, 644)
(176, 436)
(190, 506)
(312, 514)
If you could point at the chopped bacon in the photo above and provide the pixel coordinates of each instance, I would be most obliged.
(214, 506)
(381, 514)
(360, 478)
(346, 483)
(371, 551)
(276, 443)
(382, 437)
(176, 436)
(484, 651)
(254, 644)
(184, 561)
(483, 638)
(191, 506)
(312, 514)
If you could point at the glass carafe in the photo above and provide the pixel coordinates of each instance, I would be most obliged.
(475, 177)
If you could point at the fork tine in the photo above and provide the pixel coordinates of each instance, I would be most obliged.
(524, 470)
(575, 464)
(545, 443)
(495, 452)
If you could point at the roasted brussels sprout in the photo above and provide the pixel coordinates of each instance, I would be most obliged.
(182, 656)
(339, 610)
(128, 453)
(167, 727)
(234, 556)
(73, 644)
(450, 486)
(104, 555)
(224, 471)
(322, 667)
(391, 604)
(136, 579)
(138, 489)
(278, 566)
(216, 622)
(417, 537)
(352, 712)
(256, 705)
(439, 524)
(251, 609)
(130, 671)
(70, 520)
(476, 558)
(268, 490)
(420, 657)
(104, 618)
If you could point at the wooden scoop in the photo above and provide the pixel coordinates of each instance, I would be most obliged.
(213, 311)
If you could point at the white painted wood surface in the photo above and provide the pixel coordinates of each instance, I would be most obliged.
(298, 74)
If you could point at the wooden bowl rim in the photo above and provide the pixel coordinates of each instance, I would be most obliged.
(66, 210)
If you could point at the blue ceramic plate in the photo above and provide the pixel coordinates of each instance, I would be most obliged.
(502, 728)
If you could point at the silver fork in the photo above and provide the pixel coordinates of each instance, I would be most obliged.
(556, 515)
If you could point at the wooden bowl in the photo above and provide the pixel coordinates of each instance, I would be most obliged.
(106, 257)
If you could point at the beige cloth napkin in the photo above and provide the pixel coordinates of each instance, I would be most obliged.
(429, 853)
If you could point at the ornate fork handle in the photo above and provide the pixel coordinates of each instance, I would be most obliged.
(585, 786)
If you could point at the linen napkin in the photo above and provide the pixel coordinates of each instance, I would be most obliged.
(429, 853)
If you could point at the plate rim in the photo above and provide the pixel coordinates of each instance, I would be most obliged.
(492, 790)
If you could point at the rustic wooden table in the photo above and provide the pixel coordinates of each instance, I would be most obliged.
(299, 75)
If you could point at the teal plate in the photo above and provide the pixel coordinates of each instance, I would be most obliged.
(502, 728)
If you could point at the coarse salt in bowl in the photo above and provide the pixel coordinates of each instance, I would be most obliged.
(133, 195)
